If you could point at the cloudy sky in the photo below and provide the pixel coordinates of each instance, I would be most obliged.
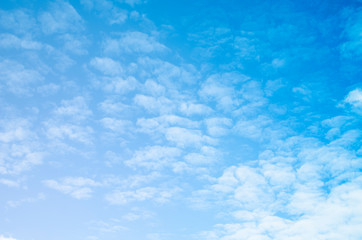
(180, 120)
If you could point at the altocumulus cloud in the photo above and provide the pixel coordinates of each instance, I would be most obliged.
(157, 120)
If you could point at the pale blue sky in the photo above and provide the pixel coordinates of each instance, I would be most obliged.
(180, 120)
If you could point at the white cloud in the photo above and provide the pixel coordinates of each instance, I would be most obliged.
(113, 107)
(154, 157)
(60, 18)
(154, 88)
(272, 86)
(17, 78)
(183, 137)
(217, 127)
(19, 21)
(48, 89)
(74, 109)
(207, 156)
(133, 2)
(303, 180)
(354, 98)
(219, 88)
(6, 238)
(168, 74)
(19, 150)
(77, 187)
(155, 105)
(118, 84)
(107, 66)
(160, 124)
(116, 125)
(158, 195)
(75, 45)
(133, 42)
(254, 128)
(11, 41)
(55, 131)
(189, 109)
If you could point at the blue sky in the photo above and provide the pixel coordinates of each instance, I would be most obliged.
(174, 120)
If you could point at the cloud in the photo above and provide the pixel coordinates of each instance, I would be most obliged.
(133, 2)
(133, 42)
(12, 41)
(61, 18)
(155, 105)
(75, 45)
(56, 132)
(183, 137)
(117, 126)
(116, 84)
(154, 88)
(207, 156)
(6, 238)
(75, 109)
(18, 21)
(352, 47)
(302, 180)
(19, 147)
(154, 157)
(254, 129)
(9, 183)
(17, 203)
(219, 88)
(111, 226)
(190, 109)
(217, 127)
(354, 98)
(76, 187)
(107, 66)
(160, 124)
(142, 194)
(113, 107)
(17, 79)
(107, 10)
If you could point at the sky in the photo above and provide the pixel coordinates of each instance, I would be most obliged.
(180, 120)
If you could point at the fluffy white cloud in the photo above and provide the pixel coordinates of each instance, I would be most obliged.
(207, 156)
(19, 147)
(154, 157)
(302, 181)
(74, 109)
(77, 187)
(116, 125)
(60, 18)
(155, 105)
(54, 131)
(217, 127)
(183, 137)
(11, 41)
(354, 98)
(194, 109)
(158, 195)
(133, 42)
(160, 124)
(19, 21)
(107, 66)
(18, 79)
